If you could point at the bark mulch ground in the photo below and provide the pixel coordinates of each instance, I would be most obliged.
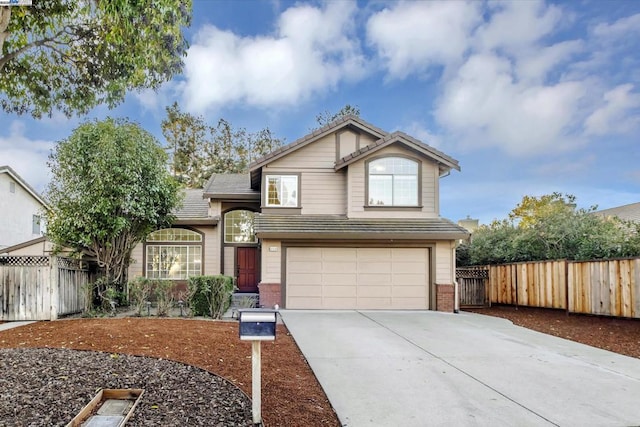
(610, 333)
(291, 394)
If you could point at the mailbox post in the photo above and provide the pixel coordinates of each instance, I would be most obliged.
(257, 325)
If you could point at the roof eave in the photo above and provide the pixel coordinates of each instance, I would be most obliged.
(196, 221)
(316, 235)
(232, 196)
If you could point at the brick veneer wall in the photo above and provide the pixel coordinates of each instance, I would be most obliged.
(270, 295)
(445, 298)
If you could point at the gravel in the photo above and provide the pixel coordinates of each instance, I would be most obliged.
(66, 380)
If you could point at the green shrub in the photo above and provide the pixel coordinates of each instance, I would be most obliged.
(163, 291)
(140, 291)
(210, 295)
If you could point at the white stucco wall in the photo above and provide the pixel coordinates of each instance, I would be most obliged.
(16, 213)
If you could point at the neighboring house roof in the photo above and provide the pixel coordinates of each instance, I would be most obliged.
(194, 209)
(24, 184)
(630, 212)
(337, 226)
(402, 138)
(28, 243)
(235, 186)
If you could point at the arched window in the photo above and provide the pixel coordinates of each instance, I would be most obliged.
(393, 181)
(174, 254)
(238, 227)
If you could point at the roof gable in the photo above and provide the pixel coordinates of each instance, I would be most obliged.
(29, 189)
(445, 162)
(348, 121)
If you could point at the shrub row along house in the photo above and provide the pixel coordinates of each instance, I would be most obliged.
(345, 217)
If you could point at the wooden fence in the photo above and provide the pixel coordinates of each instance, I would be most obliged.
(610, 287)
(41, 287)
(472, 285)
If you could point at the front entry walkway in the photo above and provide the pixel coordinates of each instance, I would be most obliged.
(386, 368)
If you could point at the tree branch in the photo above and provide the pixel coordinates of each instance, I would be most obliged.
(5, 16)
(43, 42)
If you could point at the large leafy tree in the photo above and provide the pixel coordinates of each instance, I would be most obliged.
(551, 227)
(110, 188)
(198, 149)
(71, 55)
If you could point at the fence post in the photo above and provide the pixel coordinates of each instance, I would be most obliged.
(55, 287)
(566, 283)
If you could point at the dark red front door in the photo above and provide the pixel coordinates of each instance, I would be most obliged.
(247, 268)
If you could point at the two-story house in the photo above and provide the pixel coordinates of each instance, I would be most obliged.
(345, 217)
(21, 208)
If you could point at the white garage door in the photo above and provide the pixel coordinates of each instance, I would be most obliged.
(357, 278)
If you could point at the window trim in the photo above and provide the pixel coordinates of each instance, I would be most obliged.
(200, 243)
(265, 192)
(418, 162)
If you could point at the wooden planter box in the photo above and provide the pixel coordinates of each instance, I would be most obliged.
(109, 408)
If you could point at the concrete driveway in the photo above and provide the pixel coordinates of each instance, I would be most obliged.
(386, 368)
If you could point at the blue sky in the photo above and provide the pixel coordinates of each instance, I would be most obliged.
(531, 97)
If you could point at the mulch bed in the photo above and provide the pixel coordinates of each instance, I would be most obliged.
(291, 395)
(609, 333)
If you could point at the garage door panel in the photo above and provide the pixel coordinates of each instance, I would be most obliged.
(339, 279)
(339, 291)
(340, 267)
(361, 278)
(339, 303)
(306, 291)
(374, 291)
(306, 278)
(409, 280)
(379, 267)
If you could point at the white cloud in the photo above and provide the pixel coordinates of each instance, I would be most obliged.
(312, 51)
(28, 157)
(485, 105)
(420, 132)
(412, 36)
(619, 112)
(623, 27)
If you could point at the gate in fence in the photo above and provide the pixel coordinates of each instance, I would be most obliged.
(473, 287)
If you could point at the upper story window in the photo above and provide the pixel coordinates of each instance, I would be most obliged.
(173, 253)
(282, 191)
(238, 227)
(393, 181)
(35, 224)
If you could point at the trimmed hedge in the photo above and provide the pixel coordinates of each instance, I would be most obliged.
(210, 295)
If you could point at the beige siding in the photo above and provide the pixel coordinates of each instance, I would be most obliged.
(320, 154)
(215, 208)
(229, 261)
(271, 261)
(137, 262)
(357, 189)
(323, 193)
(347, 142)
(445, 262)
(37, 249)
(211, 250)
(366, 140)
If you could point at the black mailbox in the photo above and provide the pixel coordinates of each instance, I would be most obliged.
(257, 324)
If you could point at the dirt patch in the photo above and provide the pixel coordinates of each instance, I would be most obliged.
(290, 392)
(609, 333)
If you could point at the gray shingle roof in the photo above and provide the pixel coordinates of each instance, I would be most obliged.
(630, 212)
(230, 185)
(335, 226)
(193, 205)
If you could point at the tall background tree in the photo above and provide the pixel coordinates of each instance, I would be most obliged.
(198, 149)
(327, 117)
(73, 55)
(109, 189)
(551, 227)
